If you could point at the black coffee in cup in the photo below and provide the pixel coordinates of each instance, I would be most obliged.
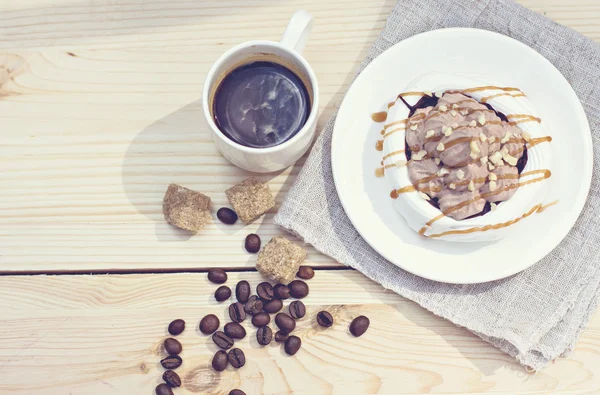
(261, 104)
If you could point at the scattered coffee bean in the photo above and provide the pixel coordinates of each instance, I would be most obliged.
(285, 322)
(252, 243)
(281, 336)
(209, 324)
(242, 291)
(298, 289)
(281, 291)
(265, 291)
(171, 378)
(254, 305)
(261, 319)
(234, 330)
(172, 346)
(359, 325)
(297, 309)
(305, 272)
(217, 276)
(264, 335)
(236, 358)
(222, 340)
(237, 312)
(163, 389)
(222, 293)
(227, 215)
(324, 319)
(237, 392)
(176, 327)
(292, 345)
(171, 362)
(219, 361)
(273, 306)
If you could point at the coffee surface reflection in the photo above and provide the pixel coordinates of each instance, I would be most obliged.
(261, 104)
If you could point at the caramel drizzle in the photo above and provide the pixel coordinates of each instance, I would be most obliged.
(391, 104)
(485, 99)
(490, 87)
(405, 121)
(538, 140)
(400, 151)
(394, 131)
(379, 145)
(538, 208)
(380, 116)
(525, 118)
(413, 93)
(546, 174)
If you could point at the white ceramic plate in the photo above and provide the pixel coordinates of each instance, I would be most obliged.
(486, 56)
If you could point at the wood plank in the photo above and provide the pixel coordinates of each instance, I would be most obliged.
(100, 111)
(103, 334)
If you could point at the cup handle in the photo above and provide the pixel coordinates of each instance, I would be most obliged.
(297, 31)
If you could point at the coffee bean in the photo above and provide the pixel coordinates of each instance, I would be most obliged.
(273, 306)
(242, 291)
(217, 276)
(305, 272)
(292, 345)
(209, 324)
(324, 319)
(234, 330)
(261, 319)
(264, 335)
(359, 325)
(227, 215)
(297, 309)
(236, 358)
(298, 289)
(171, 378)
(171, 362)
(281, 336)
(265, 291)
(222, 340)
(172, 346)
(222, 293)
(237, 392)
(219, 361)
(285, 322)
(237, 312)
(176, 327)
(281, 291)
(163, 389)
(252, 243)
(254, 305)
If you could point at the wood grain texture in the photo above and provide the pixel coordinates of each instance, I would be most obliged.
(102, 334)
(100, 112)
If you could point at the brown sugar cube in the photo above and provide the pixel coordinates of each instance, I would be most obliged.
(186, 209)
(250, 199)
(279, 259)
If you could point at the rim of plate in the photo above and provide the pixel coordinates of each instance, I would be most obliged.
(586, 175)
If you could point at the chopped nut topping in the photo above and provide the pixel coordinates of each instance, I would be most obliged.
(453, 113)
(493, 206)
(511, 160)
(419, 155)
(493, 186)
(455, 106)
(424, 195)
(481, 119)
(414, 127)
(483, 160)
(493, 177)
(452, 186)
(441, 147)
(526, 136)
(506, 137)
(443, 171)
(471, 186)
(443, 108)
(460, 174)
(474, 147)
(454, 125)
(429, 134)
(427, 93)
(491, 139)
(496, 158)
(482, 137)
(437, 94)
(437, 161)
(491, 167)
(473, 123)
(447, 130)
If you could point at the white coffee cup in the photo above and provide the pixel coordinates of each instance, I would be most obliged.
(287, 52)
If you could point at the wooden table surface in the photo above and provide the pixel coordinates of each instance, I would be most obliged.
(99, 111)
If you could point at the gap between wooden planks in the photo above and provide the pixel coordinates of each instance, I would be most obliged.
(103, 334)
